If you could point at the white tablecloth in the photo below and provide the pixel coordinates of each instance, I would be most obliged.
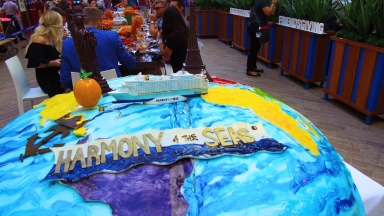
(370, 191)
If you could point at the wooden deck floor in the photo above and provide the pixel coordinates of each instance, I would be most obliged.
(361, 145)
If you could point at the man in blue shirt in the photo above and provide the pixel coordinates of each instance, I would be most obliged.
(109, 50)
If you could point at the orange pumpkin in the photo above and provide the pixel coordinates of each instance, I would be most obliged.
(87, 91)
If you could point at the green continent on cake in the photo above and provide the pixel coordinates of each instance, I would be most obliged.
(307, 176)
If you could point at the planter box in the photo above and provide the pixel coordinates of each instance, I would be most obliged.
(305, 55)
(225, 26)
(271, 51)
(240, 36)
(206, 23)
(356, 76)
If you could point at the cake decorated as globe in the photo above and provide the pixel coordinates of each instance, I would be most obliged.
(217, 149)
(233, 151)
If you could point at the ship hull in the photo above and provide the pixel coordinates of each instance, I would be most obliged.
(158, 98)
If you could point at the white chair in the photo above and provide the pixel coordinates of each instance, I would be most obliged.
(168, 69)
(200, 45)
(108, 74)
(24, 91)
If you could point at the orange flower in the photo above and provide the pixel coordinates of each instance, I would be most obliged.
(130, 11)
(107, 24)
(124, 30)
(137, 23)
(108, 14)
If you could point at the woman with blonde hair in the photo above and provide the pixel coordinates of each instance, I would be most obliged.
(44, 50)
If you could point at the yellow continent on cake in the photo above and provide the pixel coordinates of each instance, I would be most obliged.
(233, 151)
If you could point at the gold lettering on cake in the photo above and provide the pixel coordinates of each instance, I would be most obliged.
(129, 145)
(234, 136)
(61, 160)
(222, 137)
(136, 143)
(191, 137)
(93, 153)
(244, 133)
(175, 139)
(79, 156)
(110, 148)
(205, 134)
(121, 147)
(157, 141)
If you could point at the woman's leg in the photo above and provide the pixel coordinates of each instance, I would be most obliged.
(255, 47)
(251, 60)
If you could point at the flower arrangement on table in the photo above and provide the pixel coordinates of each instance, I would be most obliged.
(137, 23)
(132, 30)
(108, 14)
(125, 30)
(107, 24)
(108, 19)
(129, 12)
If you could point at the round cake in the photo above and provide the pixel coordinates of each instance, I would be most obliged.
(233, 151)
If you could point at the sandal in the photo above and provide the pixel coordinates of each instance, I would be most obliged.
(254, 75)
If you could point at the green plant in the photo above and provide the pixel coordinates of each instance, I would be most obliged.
(225, 5)
(206, 4)
(243, 4)
(313, 10)
(377, 8)
(362, 21)
(356, 17)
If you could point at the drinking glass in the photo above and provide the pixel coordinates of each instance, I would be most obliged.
(133, 49)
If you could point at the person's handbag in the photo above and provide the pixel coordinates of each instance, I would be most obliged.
(264, 31)
(264, 36)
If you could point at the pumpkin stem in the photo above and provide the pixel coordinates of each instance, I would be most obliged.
(84, 74)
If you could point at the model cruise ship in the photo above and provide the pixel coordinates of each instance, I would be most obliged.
(165, 89)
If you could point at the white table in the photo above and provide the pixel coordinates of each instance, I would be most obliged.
(370, 191)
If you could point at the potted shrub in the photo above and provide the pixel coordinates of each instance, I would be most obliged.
(240, 38)
(305, 54)
(206, 18)
(356, 69)
(271, 51)
(225, 20)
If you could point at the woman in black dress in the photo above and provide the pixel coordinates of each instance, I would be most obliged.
(173, 39)
(43, 52)
(260, 11)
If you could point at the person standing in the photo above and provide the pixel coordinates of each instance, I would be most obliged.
(43, 52)
(11, 9)
(259, 13)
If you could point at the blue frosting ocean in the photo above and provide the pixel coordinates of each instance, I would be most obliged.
(264, 183)
(291, 183)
